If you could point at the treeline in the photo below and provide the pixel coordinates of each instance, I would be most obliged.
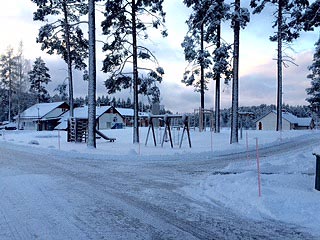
(116, 102)
(261, 110)
(22, 101)
(26, 99)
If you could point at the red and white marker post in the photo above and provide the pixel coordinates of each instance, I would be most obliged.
(258, 166)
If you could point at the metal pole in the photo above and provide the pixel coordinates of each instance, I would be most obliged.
(247, 145)
(59, 139)
(317, 181)
(258, 167)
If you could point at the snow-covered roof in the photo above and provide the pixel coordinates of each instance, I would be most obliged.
(125, 111)
(128, 112)
(302, 122)
(39, 110)
(80, 112)
(289, 117)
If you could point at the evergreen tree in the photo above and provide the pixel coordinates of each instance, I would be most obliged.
(240, 18)
(9, 76)
(79, 102)
(204, 31)
(128, 103)
(63, 35)
(23, 67)
(39, 77)
(92, 77)
(62, 91)
(314, 76)
(125, 22)
(309, 19)
(287, 11)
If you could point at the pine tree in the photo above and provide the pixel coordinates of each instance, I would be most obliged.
(126, 24)
(39, 77)
(9, 76)
(92, 77)
(62, 91)
(309, 19)
(63, 35)
(205, 31)
(23, 67)
(286, 13)
(240, 18)
(314, 76)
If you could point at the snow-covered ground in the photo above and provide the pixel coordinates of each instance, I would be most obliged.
(201, 142)
(287, 180)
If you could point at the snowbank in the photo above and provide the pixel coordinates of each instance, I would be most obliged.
(287, 190)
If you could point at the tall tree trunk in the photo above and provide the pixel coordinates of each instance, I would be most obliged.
(38, 86)
(20, 69)
(135, 76)
(235, 83)
(69, 62)
(92, 77)
(279, 65)
(10, 93)
(202, 80)
(20, 76)
(217, 102)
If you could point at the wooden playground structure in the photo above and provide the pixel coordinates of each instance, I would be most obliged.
(167, 135)
(205, 119)
(78, 131)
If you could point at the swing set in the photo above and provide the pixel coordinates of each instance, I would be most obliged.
(167, 131)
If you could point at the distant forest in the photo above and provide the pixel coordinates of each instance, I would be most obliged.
(261, 110)
(28, 99)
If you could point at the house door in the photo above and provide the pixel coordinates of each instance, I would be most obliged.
(260, 126)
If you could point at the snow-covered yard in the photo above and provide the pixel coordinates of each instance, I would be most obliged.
(201, 141)
(287, 179)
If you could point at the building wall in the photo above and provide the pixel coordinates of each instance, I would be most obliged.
(29, 124)
(269, 122)
(109, 120)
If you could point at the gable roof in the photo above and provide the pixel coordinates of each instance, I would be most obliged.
(82, 112)
(128, 112)
(302, 122)
(40, 110)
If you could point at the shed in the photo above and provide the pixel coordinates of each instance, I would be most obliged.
(289, 122)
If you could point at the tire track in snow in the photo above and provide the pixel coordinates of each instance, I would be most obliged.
(213, 226)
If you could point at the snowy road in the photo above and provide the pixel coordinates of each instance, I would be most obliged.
(46, 195)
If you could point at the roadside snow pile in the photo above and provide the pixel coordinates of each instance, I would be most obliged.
(287, 190)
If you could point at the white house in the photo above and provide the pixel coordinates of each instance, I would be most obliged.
(289, 122)
(128, 115)
(107, 117)
(42, 116)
